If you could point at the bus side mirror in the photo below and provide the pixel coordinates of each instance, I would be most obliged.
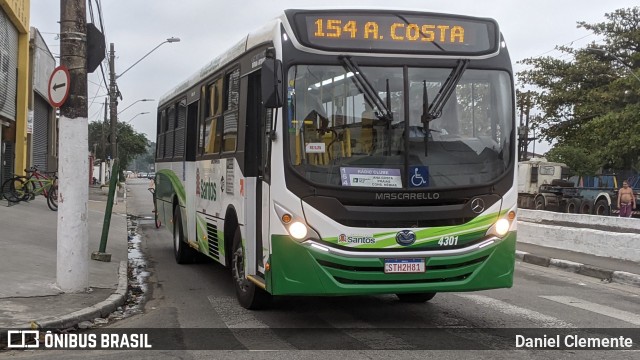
(271, 80)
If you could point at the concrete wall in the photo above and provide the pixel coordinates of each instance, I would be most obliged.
(608, 236)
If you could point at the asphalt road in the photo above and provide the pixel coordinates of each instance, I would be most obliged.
(202, 296)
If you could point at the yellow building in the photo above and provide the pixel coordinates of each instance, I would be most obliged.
(14, 86)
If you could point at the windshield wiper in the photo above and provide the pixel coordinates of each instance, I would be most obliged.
(370, 94)
(425, 116)
(435, 110)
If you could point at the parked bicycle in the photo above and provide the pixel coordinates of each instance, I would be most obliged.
(23, 188)
(152, 190)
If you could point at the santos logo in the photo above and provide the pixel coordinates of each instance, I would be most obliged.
(208, 190)
(351, 239)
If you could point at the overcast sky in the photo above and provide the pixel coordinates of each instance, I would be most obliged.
(208, 27)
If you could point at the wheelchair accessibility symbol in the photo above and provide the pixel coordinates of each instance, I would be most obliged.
(419, 176)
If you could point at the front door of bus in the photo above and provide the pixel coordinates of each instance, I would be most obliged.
(256, 159)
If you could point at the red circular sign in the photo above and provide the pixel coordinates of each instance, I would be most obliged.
(59, 86)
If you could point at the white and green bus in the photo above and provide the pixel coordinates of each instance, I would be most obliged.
(346, 152)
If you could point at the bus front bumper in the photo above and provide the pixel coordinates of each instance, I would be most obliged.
(300, 269)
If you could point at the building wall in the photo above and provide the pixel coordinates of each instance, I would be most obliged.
(15, 129)
(42, 127)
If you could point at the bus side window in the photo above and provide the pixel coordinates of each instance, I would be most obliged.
(203, 113)
(231, 113)
(211, 135)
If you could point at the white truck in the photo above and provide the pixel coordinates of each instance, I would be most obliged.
(541, 186)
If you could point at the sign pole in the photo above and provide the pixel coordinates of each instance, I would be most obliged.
(72, 268)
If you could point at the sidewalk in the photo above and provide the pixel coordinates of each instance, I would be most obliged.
(28, 266)
(607, 269)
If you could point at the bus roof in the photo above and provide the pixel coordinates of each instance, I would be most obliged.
(254, 38)
(268, 33)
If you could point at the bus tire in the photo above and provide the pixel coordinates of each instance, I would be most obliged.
(585, 207)
(249, 295)
(602, 208)
(182, 252)
(416, 297)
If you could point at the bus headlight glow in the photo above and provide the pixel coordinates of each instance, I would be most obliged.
(502, 227)
(504, 224)
(295, 225)
(298, 230)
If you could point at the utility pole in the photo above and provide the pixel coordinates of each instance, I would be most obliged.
(113, 102)
(104, 135)
(72, 270)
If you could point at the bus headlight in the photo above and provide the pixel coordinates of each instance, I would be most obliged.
(501, 227)
(295, 225)
(298, 230)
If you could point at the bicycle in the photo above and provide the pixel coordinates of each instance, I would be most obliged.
(158, 223)
(22, 188)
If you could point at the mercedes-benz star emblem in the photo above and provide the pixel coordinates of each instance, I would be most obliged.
(477, 205)
(405, 237)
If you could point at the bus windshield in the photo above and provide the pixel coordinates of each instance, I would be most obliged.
(342, 134)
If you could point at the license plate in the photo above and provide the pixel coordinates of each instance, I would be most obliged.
(404, 266)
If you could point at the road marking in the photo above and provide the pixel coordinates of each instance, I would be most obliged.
(238, 318)
(362, 331)
(596, 308)
(509, 309)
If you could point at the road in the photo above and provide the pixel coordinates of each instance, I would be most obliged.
(202, 296)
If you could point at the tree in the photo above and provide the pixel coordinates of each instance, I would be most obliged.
(575, 158)
(590, 102)
(144, 162)
(130, 142)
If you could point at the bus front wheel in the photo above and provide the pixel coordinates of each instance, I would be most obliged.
(416, 298)
(249, 295)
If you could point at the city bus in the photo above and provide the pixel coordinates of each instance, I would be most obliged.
(346, 152)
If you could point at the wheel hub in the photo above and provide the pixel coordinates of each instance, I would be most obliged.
(238, 270)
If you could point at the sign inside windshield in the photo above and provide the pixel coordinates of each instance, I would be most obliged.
(370, 177)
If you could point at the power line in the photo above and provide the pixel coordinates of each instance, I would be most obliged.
(569, 43)
(99, 6)
(564, 55)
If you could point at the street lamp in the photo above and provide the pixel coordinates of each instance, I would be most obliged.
(113, 87)
(138, 114)
(169, 40)
(607, 53)
(137, 101)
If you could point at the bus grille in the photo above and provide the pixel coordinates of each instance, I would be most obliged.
(374, 275)
(390, 282)
(212, 237)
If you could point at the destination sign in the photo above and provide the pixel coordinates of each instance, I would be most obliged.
(418, 33)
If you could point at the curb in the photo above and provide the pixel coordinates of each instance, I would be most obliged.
(99, 310)
(621, 277)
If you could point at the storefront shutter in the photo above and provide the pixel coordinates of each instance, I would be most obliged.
(8, 67)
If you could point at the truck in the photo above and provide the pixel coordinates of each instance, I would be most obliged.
(544, 185)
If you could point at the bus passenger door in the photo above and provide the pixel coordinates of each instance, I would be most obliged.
(257, 179)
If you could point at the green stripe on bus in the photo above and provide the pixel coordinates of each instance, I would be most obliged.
(177, 185)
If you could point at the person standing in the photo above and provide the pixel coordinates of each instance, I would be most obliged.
(626, 200)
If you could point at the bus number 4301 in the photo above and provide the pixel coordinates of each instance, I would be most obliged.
(448, 240)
